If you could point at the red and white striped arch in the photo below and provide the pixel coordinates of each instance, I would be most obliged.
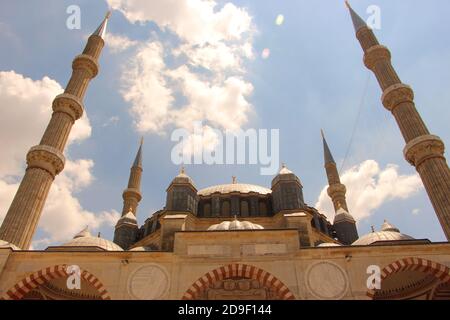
(440, 271)
(238, 270)
(20, 289)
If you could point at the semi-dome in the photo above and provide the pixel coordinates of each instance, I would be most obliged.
(5, 244)
(85, 239)
(234, 187)
(388, 233)
(235, 225)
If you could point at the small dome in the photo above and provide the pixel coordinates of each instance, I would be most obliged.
(182, 178)
(93, 242)
(389, 227)
(129, 217)
(343, 215)
(388, 233)
(83, 233)
(4, 244)
(85, 239)
(329, 244)
(235, 225)
(285, 175)
(143, 248)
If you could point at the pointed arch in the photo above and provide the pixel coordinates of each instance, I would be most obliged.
(238, 270)
(439, 271)
(20, 289)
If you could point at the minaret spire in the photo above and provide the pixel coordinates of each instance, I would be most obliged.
(328, 157)
(358, 22)
(126, 228)
(101, 30)
(336, 189)
(46, 160)
(344, 223)
(132, 194)
(423, 150)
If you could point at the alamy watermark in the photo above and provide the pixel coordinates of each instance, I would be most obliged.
(74, 279)
(212, 146)
(374, 279)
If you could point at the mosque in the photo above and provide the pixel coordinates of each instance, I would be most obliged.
(232, 241)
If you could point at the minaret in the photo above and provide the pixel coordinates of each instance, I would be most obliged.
(46, 160)
(423, 150)
(336, 190)
(126, 227)
(132, 194)
(344, 224)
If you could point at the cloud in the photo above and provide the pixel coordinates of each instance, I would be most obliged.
(194, 21)
(369, 187)
(205, 83)
(111, 121)
(118, 43)
(26, 110)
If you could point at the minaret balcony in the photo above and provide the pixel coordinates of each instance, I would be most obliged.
(46, 158)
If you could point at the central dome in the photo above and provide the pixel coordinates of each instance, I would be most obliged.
(234, 187)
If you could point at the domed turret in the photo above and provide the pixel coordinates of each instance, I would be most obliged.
(287, 193)
(345, 226)
(126, 230)
(182, 194)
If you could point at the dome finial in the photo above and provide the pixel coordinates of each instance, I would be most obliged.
(182, 170)
(373, 228)
(234, 179)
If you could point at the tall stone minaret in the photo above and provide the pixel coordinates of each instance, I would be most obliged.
(336, 190)
(344, 224)
(132, 194)
(126, 229)
(46, 160)
(423, 150)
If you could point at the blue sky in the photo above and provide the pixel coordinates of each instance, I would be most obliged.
(313, 78)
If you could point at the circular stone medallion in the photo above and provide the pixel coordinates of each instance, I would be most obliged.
(326, 281)
(149, 282)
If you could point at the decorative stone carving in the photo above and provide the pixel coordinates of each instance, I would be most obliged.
(422, 148)
(374, 54)
(396, 94)
(326, 280)
(238, 289)
(69, 104)
(150, 282)
(84, 61)
(47, 158)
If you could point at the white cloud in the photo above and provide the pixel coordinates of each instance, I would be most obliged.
(415, 212)
(369, 187)
(216, 39)
(195, 21)
(145, 87)
(118, 43)
(26, 110)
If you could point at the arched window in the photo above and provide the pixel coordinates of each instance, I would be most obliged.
(262, 208)
(207, 210)
(244, 208)
(226, 208)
